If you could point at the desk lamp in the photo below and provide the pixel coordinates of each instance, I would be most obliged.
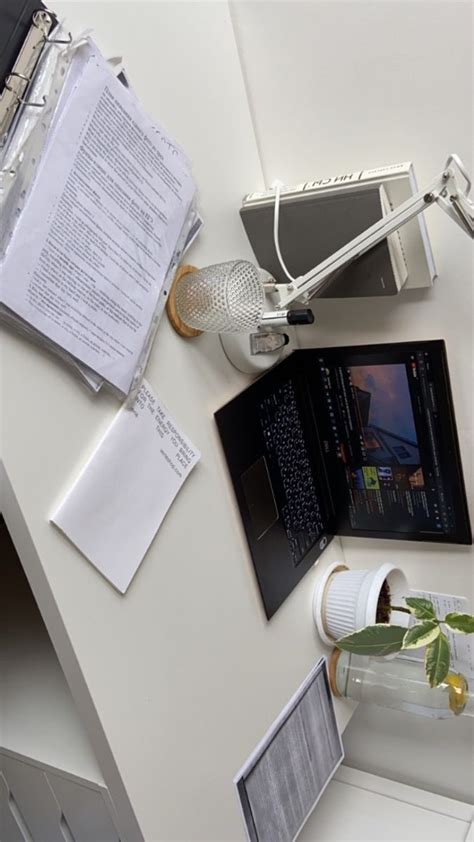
(236, 298)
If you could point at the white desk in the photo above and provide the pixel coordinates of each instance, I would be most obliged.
(177, 681)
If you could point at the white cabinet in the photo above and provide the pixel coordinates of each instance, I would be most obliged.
(39, 804)
(51, 787)
(32, 800)
(10, 830)
(85, 810)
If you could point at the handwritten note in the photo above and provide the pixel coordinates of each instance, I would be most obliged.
(462, 649)
(119, 500)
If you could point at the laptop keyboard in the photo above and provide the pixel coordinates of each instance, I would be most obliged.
(288, 455)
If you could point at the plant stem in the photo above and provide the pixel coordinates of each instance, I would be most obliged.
(400, 608)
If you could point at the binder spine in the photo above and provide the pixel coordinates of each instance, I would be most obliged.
(17, 81)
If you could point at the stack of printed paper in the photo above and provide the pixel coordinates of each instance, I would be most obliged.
(108, 215)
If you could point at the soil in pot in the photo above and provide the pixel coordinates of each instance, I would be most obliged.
(383, 604)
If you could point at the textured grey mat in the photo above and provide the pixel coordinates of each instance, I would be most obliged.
(284, 778)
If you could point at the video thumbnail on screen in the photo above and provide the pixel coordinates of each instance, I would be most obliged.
(387, 426)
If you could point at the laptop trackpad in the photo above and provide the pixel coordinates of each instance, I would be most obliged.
(259, 496)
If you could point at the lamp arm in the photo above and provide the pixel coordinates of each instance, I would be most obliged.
(443, 190)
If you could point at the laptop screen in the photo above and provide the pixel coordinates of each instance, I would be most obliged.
(385, 418)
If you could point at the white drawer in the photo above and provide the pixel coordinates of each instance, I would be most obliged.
(85, 811)
(42, 804)
(33, 800)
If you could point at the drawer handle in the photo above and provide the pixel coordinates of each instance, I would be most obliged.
(16, 813)
(65, 829)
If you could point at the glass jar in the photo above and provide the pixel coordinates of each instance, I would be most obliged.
(400, 684)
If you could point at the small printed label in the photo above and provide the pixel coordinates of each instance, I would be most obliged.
(392, 169)
(321, 183)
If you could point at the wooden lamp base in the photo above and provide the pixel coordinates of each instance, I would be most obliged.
(177, 323)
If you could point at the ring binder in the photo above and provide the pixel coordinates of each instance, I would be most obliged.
(24, 35)
(28, 147)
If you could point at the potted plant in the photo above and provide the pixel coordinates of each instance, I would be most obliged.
(346, 600)
(383, 639)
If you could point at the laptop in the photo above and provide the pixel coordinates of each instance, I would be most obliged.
(358, 441)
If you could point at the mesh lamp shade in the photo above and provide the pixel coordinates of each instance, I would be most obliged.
(223, 298)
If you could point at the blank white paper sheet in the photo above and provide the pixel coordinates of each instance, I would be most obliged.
(116, 505)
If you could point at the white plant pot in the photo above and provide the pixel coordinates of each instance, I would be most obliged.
(345, 600)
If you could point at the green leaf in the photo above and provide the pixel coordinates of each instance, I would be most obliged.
(463, 623)
(437, 660)
(423, 609)
(421, 634)
(381, 639)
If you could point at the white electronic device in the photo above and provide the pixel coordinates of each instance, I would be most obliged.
(445, 190)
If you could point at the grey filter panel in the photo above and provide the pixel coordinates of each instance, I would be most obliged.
(282, 782)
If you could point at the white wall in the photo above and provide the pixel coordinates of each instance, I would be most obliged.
(340, 86)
